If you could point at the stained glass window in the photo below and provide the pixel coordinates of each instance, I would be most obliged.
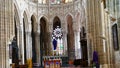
(57, 41)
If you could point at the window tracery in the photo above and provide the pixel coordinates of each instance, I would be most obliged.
(57, 36)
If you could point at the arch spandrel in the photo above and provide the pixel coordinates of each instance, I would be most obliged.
(45, 17)
(69, 14)
(43, 22)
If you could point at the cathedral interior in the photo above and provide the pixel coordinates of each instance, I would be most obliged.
(59, 33)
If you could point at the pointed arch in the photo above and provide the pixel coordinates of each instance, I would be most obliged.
(44, 36)
(34, 16)
(33, 34)
(77, 18)
(44, 24)
(45, 17)
(56, 22)
(69, 20)
(70, 37)
(69, 14)
(34, 23)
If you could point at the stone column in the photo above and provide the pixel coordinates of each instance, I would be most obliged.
(29, 45)
(50, 44)
(6, 21)
(64, 32)
(77, 45)
(29, 49)
(37, 42)
(30, 38)
(65, 51)
(77, 40)
(22, 40)
(95, 30)
(90, 30)
(19, 42)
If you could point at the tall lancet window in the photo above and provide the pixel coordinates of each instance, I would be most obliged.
(57, 41)
(55, 1)
(66, 1)
(42, 1)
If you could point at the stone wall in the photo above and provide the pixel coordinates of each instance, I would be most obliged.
(6, 31)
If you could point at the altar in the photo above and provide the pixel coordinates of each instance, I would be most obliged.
(55, 63)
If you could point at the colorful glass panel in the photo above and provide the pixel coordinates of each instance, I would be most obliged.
(57, 35)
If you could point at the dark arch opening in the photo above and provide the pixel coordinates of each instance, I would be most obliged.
(56, 22)
(70, 38)
(34, 56)
(43, 38)
(25, 57)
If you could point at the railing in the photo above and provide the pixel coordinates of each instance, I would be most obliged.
(52, 58)
(63, 59)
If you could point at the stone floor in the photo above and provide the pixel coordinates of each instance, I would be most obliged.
(68, 66)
